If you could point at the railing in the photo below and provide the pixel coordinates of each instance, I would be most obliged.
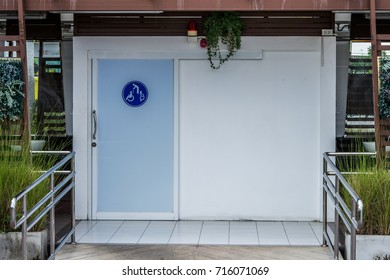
(54, 195)
(351, 217)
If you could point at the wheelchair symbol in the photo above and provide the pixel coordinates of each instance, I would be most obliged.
(135, 94)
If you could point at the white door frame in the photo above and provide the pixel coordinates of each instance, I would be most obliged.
(93, 56)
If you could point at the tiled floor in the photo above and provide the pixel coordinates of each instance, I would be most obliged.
(200, 232)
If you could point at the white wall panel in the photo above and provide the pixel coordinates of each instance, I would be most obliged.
(251, 134)
(247, 132)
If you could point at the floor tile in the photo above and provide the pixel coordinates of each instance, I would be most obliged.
(200, 232)
(317, 228)
(300, 233)
(186, 232)
(158, 232)
(82, 228)
(272, 233)
(243, 224)
(215, 233)
(216, 224)
(130, 232)
(243, 236)
(101, 232)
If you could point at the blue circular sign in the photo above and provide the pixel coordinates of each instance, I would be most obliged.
(135, 94)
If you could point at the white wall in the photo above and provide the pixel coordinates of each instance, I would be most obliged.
(251, 134)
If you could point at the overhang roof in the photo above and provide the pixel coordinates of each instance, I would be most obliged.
(194, 5)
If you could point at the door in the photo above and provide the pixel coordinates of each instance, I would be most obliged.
(132, 139)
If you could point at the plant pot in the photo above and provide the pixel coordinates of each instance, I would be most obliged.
(370, 147)
(16, 148)
(37, 145)
(369, 247)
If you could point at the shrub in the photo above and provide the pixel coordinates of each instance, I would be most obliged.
(18, 169)
(372, 184)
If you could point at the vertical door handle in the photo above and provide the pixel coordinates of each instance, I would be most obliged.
(94, 129)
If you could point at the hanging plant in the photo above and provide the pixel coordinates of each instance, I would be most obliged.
(222, 28)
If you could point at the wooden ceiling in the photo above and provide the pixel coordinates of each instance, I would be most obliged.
(194, 5)
(175, 24)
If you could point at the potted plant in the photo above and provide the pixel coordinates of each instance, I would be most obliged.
(372, 184)
(222, 28)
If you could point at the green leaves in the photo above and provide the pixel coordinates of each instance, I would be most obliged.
(222, 28)
(11, 89)
(384, 97)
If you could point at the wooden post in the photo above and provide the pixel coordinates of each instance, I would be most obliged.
(23, 57)
(375, 79)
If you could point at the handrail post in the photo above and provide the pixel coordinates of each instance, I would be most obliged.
(336, 221)
(324, 202)
(52, 218)
(73, 196)
(24, 229)
(353, 232)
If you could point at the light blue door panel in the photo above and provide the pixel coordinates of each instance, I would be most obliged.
(135, 144)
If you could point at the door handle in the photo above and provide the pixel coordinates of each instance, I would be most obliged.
(94, 129)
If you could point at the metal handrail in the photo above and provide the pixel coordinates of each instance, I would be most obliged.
(352, 217)
(53, 196)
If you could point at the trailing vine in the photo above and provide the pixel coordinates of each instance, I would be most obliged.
(222, 28)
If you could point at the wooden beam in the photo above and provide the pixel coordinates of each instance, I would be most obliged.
(9, 38)
(23, 57)
(384, 47)
(383, 37)
(9, 49)
(195, 5)
(375, 78)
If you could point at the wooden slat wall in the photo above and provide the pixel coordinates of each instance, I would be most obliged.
(175, 24)
(10, 48)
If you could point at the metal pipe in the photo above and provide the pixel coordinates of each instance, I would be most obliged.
(73, 196)
(24, 229)
(360, 214)
(45, 176)
(337, 225)
(63, 242)
(50, 205)
(52, 217)
(50, 152)
(353, 233)
(336, 154)
(42, 202)
(352, 219)
(341, 178)
(324, 203)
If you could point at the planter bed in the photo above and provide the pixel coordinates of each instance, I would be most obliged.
(11, 245)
